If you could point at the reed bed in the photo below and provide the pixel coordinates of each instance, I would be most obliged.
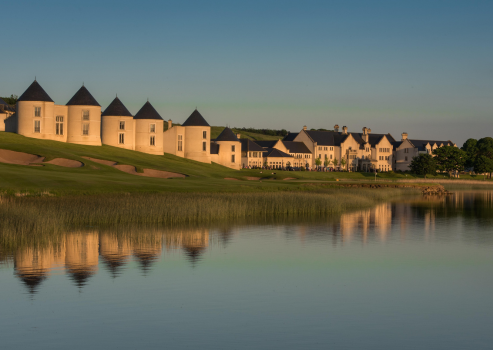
(30, 217)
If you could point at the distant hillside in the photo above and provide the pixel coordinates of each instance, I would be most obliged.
(216, 130)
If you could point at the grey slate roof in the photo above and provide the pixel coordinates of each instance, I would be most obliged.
(296, 147)
(250, 146)
(2, 102)
(420, 144)
(35, 93)
(195, 119)
(332, 138)
(83, 98)
(214, 149)
(147, 112)
(267, 143)
(291, 136)
(275, 153)
(227, 135)
(116, 108)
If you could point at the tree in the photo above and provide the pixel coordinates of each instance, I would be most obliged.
(288, 165)
(343, 163)
(423, 164)
(483, 165)
(326, 162)
(335, 162)
(318, 162)
(471, 149)
(12, 100)
(485, 148)
(450, 158)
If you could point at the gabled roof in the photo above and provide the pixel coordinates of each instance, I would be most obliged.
(2, 102)
(214, 148)
(116, 108)
(421, 144)
(83, 98)
(274, 152)
(397, 144)
(250, 146)
(291, 136)
(35, 93)
(296, 147)
(195, 119)
(332, 138)
(227, 135)
(147, 112)
(266, 143)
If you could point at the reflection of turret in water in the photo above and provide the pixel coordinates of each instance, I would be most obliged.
(380, 217)
(147, 249)
(115, 252)
(81, 258)
(194, 244)
(33, 265)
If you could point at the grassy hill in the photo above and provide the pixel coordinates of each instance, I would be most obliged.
(97, 178)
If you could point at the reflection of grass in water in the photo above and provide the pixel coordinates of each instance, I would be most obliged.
(467, 187)
(38, 220)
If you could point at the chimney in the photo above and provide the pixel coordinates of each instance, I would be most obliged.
(170, 124)
(304, 128)
(404, 136)
(336, 128)
(238, 136)
(344, 130)
(366, 136)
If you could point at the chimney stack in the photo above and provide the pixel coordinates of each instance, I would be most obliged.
(336, 128)
(238, 136)
(344, 130)
(404, 136)
(304, 127)
(170, 124)
(366, 136)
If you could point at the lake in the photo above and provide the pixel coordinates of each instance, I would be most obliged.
(404, 275)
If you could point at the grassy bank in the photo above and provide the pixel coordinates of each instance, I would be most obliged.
(24, 217)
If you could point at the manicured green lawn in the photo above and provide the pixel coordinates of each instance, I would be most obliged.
(97, 178)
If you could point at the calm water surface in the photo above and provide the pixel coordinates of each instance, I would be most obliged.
(409, 275)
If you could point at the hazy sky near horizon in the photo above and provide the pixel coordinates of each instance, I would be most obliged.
(424, 67)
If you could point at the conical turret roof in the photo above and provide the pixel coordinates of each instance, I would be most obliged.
(83, 98)
(35, 93)
(227, 135)
(147, 112)
(195, 119)
(116, 108)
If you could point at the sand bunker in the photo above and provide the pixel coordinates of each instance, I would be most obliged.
(12, 157)
(130, 169)
(230, 178)
(67, 163)
(252, 178)
(290, 178)
(101, 161)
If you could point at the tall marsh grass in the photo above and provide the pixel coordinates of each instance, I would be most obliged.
(27, 217)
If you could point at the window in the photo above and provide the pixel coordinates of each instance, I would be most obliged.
(152, 140)
(406, 150)
(121, 138)
(204, 146)
(320, 148)
(152, 128)
(331, 156)
(249, 154)
(85, 129)
(37, 126)
(204, 135)
(37, 111)
(180, 142)
(255, 154)
(85, 115)
(332, 148)
(405, 159)
(233, 148)
(59, 125)
(319, 156)
(232, 158)
(122, 125)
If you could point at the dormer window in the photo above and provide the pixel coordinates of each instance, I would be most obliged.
(85, 115)
(37, 111)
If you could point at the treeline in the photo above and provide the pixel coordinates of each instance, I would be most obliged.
(474, 155)
(12, 100)
(270, 132)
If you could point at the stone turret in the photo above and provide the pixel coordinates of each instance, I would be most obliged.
(336, 128)
(404, 136)
(344, 130)
(366, 134)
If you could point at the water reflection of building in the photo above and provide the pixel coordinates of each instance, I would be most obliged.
(379, 217)
(115, 252)
(146, 248)
(33, 265)
(82, 256)
(193, 242)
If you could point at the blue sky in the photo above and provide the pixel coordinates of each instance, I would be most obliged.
(424, 67)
